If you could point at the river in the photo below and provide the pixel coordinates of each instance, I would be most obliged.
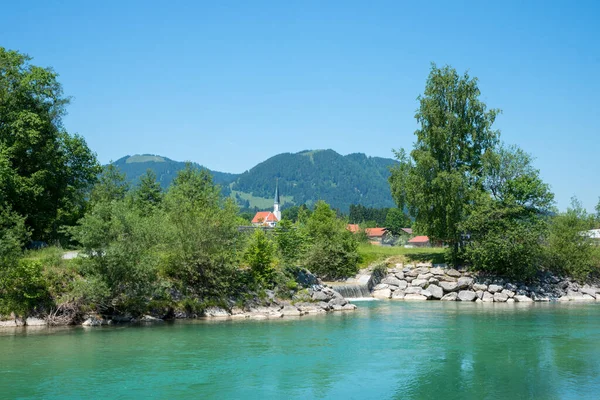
(383, 350)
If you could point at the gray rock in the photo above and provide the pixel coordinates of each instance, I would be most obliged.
(93, 321)
(500, 297)
(539, 297)
(338, 301)
(464, 283)
(349, 307)
(488, 297)
(8, 323)
(446, 278)
(32, 321)
(413, 273)
(511, 287)
(437, 271)
(522, 299)
(589, 290)
(400, 275)
(381, 286)
(479, 294)
(453, 273)
(436, 291)
(478, 300)
(479, 286)
(392, 280)
(587, 297)
(398, 295)
(466, 295)
(564, 298)
(403, 285)
(509, 293)
(419, 282)
(413, 290)
(291, 311)
(409, 279)
(425, 276)
(149, 318)
(433, 281)
(449, 286)
(414, 296)
(450, 297)
(426, 293)
(214, 312)
(495, 288)
(382, 293)
(510, 300)
(323, 305)
(320, 296)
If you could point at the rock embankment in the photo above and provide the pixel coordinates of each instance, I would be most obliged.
(427, 282)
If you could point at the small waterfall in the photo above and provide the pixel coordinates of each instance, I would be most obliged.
(353, 291)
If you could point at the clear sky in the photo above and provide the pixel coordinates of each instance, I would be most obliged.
(228, 84)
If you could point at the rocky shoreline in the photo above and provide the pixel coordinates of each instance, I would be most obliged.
(428, 282)
(316, 299)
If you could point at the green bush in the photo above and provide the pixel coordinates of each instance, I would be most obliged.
(260, 256)
(23, 288)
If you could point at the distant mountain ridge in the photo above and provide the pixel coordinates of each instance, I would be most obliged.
(304, 178)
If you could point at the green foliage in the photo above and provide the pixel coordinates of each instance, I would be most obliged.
(332, 249)
(291, 242)
(260, 257)
(370, 254)
(361, 214)
(45, 172)
(22, 287)
(395, 220)
(148, 194)
(442, 175)
(507, 223)
(111, 186)
(13, 235)
(570, 250)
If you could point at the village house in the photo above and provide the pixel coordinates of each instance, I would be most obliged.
(419, 241)
(269, 218)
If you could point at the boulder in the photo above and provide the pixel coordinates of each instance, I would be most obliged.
(522, 299)
(453, 273)
(408, 279)
(381, 286)
(437, 271)
(32, 321)
(464, 283)
(382, 293)
(433, 281)
(587, 297)
(590, 291)
(419, 282)
(495, 288)
(392, 280)
(450, 297)
(509, 293)
(413, 290)
(488, 297)
(349, 307)
(413, 273)
(426, 293)
(425, 276)
(539, 297)
(500, 297)
(510, 300)
(149, 318)
(575, 296)
(399, 275)
(479, 286)
(403, 285)
(511, 287)
(449, 286)
(93, 321)
(446, 278)
(398, 295)
(320, 296)
(466, 295)
(414, 296)
(323, 305)
(291, 311)
(478, 300)
(338, 301)
(436, 291)
(479, 294)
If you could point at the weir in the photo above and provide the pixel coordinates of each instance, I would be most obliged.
(359, 287)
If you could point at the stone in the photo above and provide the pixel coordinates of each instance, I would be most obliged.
(511, 287)
(382, 293)
(500, 297)
(574, 296)
(479, 286)
(522, 299)
(495, 288)
(453, 273)
(509, 293)
(93, 321)
(323, 305)
(590, 291)
(478, 300)
(427, 294)
(437, 271)
(539, 297)
(413, 273)
(449, 286)
(380, 286)
(425, 276)
(215, 312)
(564, 298)
(399, 275)
(392, 280)
(479, 294)
(450, 297)
(398, 295)
(320, 296)
(436, 291)
(466, 295)
(587, 297)
(149, 318)
(413, 290)
(8, 323)
(419, 282)
(338, 301)
(291, 311)
(349, 307)
(433, 281)
(403, 285)
(510, 300)
(408, 279)
(32, 321)
(464, 283)
(487, 297)
(446, 278)
(414, 297)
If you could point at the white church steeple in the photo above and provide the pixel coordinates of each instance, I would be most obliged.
(276, 211)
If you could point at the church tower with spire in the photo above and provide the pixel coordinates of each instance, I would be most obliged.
(276, 210)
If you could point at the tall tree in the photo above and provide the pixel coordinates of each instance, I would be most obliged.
(442, 174)
(50, 170)
(110, 186)
(148, 194)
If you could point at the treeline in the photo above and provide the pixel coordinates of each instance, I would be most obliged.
(483, 198)
(393, 219)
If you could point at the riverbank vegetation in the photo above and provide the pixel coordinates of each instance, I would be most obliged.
(146, 249)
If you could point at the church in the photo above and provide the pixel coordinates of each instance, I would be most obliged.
(269, 218)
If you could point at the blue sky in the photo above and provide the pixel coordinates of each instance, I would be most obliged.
(229, 84)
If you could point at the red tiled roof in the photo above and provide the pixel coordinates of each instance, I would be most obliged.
(419, 239)
(264, 216)
(353, 228)
(375, 232)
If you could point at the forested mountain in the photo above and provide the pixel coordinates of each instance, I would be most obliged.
(304, 178)
(165, 169)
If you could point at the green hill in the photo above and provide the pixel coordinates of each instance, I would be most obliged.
(304, 178)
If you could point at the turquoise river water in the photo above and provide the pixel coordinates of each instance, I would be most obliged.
(384, 350)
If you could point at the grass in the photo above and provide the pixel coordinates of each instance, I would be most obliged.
(370, 254)
(261, 202)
